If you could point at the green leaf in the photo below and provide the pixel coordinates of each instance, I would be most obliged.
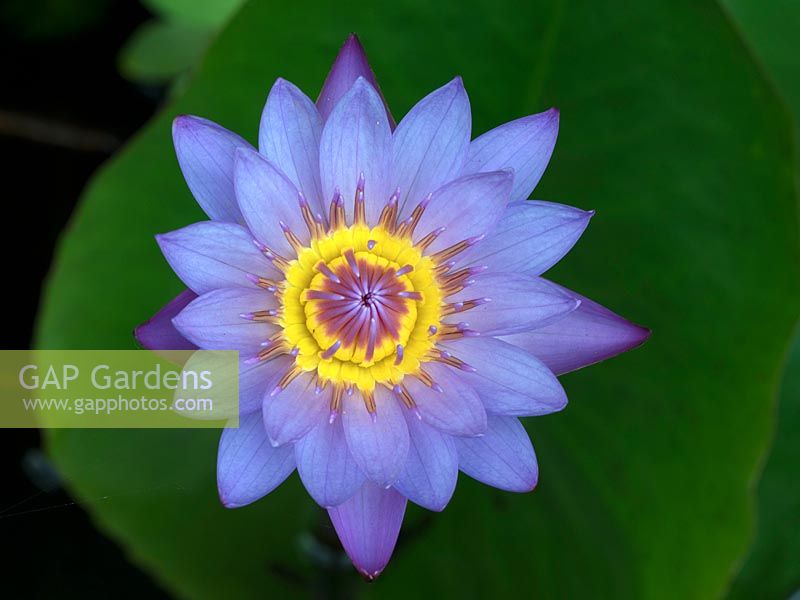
(158, 51)
(771, 570)
(211, 13)
(771, 29)
(668, 130)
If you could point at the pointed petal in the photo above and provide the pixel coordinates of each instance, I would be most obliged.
(530, 237)
(515, 303)
(254, 379)
(251, 378)
(290, 414)
(210, 255)
(456, 409)
(509, 380)
(289, 135)
(368, 525)
(325, 464)
(158, 332)
(378, 441)
(431, 470)
(205, 153)
(357, 139)
(350, 64)
(267, 198)
(225, 374)
(214, 320)
(588, 335)
(467, 207)
(248, 467)
(431, 144)
(503, 458)
(524, 145)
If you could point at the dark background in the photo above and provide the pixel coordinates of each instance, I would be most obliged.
(64, 109)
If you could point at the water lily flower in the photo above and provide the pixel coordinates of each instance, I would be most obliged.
(383, 287)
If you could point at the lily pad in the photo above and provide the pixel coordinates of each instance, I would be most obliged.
(771, 570)
(208, 13)
(160, 50)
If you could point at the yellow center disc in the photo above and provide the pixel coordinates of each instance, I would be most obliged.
(361, 306)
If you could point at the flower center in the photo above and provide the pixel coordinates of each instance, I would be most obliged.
(362, 306)
(359, 305)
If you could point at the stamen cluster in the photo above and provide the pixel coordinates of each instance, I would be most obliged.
(362, 306)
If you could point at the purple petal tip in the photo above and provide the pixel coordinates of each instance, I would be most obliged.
(224, 501)
(352, 41)
(182, 121)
